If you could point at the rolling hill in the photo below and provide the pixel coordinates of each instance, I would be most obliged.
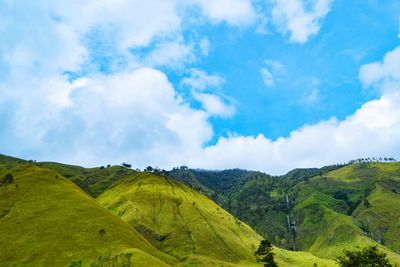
(115, 215)
(322, 211)
(189, 226)
(354, 205)
(180, 221)
(46, 220)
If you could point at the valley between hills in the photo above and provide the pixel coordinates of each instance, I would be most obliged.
(53, 214)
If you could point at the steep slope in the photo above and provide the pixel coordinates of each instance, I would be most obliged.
(46, 220)
(322, 211)
(93, 180)
(254, 197)
(7, 163)
(189, 226)
(180, 221)
(333, 211)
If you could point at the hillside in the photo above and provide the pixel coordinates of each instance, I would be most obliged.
(321, 211)
(357, 204)
(180, 221)
(187, 225)
(146, 219)
(46, 220)
(93, 180)
(254, 197)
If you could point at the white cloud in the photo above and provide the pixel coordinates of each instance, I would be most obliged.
(215, 105)
(373, 130)
(267, 77)
(41, 47)
(272, 72)
(301, 18)
(171, 54)
(201, 80)
(383, 76)
(134, 116)
(204, 46)
(132, 23)
(131, 115)
(234, 12)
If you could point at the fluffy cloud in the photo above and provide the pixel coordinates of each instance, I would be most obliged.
(373, 130)
(133, 113)
(214, 103)
(234, 12)
(133, 116)
(383, 76)
(41, 47)
(200, 80)
(300, 18)
(132, 23)
(136, 115)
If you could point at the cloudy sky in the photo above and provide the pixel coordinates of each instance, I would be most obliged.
(268, 85)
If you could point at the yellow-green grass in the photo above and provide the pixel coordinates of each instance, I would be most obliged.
(93, 180)
(180, 221)
(381, 217)
(375, 187)
(325, 227)
(285, 258)
(46, 220)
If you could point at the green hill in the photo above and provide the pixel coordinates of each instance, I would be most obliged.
(93, 180)
(146, 219)
(180, 221)
(322, 211)
(354, 205)
(189, 226)
(46, 220)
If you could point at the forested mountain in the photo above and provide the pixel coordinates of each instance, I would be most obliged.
(321, 211)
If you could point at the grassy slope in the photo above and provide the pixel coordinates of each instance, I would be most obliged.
(46, 220)
(330, 210)
(189, 226)
(93, 180)
(180, 221)
(327, 221)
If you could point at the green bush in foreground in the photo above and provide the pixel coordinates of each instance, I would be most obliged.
(366, 257)
(265, 251)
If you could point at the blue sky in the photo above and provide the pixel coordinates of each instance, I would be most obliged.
(264, 84)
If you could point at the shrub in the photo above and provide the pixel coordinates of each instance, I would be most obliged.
(365, 257)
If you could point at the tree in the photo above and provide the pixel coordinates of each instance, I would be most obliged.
(8, 179)
(148, 169)
(265, 252)
(126, 165)
(102, 233)
(365, 257)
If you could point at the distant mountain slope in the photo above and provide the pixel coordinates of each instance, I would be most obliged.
(46, 220)
(254, 197)
(321, 211)
(356, 204)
